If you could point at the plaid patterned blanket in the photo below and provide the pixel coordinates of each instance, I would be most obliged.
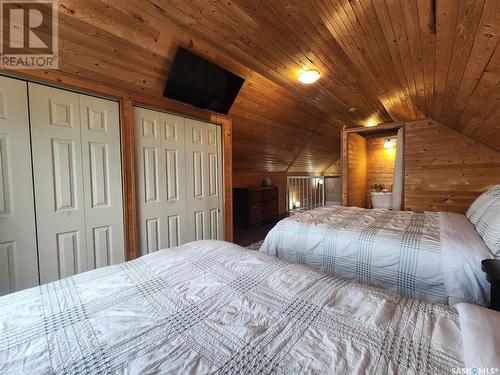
(210, 308)
(396, 250)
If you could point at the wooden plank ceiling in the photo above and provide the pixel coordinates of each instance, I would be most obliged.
(391, 60)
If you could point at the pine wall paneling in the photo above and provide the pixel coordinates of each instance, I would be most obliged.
(335, 169)
(357, 158)
(380, 164)
(445, 170)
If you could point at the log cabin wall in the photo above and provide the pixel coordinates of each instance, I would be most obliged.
(444, 169)
(357, 170)
(380, 164)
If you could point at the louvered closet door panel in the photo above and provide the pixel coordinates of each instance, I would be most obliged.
(18, 258)
(100, 129)
(59, 189)
(150, 164)
(174, 171)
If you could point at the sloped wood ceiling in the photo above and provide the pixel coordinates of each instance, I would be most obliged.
(389, 59)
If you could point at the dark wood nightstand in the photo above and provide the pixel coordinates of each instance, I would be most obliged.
(492, 269)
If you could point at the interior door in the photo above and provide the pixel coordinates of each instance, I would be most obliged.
(102, 181)
(149, 179)
(203, 149)
(161, 179)
(196, 167)
(59, 188)
(18, 253)
(174, 186)
(214, 181)
(77, 179)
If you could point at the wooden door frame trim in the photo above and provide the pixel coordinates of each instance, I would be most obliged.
(344, 168)
(126, 102)
(374, 129)
(344, 155)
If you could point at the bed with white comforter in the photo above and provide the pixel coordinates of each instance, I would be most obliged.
(210, 308)
(435, 257)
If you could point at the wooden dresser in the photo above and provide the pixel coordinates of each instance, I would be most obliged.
(254, 206)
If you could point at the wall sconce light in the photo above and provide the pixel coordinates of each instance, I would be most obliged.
(388, 143)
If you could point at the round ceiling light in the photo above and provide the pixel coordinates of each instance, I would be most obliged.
(309, 76)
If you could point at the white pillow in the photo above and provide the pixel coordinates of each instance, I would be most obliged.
(488, 227)
(479, 206)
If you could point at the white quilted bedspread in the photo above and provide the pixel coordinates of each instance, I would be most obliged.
(211, 307)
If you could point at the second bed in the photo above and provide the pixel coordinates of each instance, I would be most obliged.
(435, 257)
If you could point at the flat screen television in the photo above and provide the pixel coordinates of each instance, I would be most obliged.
(196, 81)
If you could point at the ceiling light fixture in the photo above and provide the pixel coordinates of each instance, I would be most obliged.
(309, 76)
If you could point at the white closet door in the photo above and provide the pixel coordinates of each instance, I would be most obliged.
(203, 180)
(160, 160)
(102, 181)
(214, 182)
(59, 192)
(174, 186)
(78, 188)
(149, 179)
(196, 168)
(18, 257)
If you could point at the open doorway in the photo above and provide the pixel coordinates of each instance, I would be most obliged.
(372, 166)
